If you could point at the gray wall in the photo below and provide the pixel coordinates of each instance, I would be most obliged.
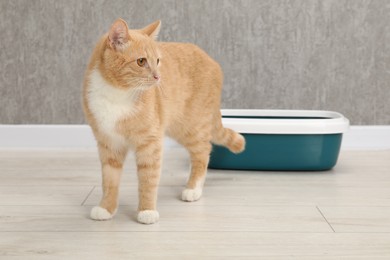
(328, 54)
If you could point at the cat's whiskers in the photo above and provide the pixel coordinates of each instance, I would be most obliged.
(142, 85)
(134, 83)
(149, 82)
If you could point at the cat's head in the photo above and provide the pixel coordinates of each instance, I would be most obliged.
(131, 58)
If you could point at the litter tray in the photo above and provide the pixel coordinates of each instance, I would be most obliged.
(282, 140)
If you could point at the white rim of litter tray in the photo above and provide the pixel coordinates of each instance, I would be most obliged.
(334, 123)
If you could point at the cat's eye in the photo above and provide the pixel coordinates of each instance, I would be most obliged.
(158, 61)
(141, 62)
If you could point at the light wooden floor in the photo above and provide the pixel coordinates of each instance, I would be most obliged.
(46, 196)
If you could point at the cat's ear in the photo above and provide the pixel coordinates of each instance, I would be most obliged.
(118, 36)
(152, 29)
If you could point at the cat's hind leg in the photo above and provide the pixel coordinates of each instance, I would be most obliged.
(112, 164)
(199, 152)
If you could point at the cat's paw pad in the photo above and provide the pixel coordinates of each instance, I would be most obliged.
(99, 213)
(148, 216)
(191, 194)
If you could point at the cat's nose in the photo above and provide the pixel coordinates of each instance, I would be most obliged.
(156, 76)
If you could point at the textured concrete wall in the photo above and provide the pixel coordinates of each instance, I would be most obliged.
(328, 54)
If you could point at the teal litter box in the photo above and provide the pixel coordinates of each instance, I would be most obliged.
(282, 140)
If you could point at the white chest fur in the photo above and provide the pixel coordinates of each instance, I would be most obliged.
(108, 105)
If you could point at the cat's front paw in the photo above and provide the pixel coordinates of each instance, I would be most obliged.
(191, 194)
(99, 213)
(148, 216)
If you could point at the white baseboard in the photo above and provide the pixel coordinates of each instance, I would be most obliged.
(370, 137)
(51, 136)
(80, 136)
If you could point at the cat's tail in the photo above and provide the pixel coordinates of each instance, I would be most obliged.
(227, 137)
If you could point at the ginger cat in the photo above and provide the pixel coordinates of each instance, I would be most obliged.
(136, 90)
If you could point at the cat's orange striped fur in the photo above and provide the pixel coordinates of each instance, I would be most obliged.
(136, 90)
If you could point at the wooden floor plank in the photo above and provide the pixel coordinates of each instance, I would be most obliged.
(358, 219)
(261, 196)
(191, 245)
(186, 218)
(43, 195)
(354, 169)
